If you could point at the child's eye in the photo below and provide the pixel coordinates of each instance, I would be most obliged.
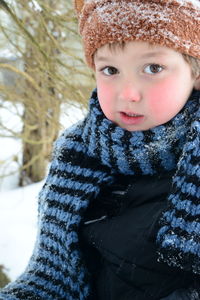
(109, 71)
(153, 69)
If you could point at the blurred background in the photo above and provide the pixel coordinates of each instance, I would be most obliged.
(44, 88)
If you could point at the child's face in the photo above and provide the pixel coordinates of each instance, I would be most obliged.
(141, 86)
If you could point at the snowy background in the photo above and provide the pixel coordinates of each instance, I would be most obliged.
(18, 206)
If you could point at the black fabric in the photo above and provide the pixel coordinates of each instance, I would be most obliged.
(122, 257)
(183, 294)
(129, 191)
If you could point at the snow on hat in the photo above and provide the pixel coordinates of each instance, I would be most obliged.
(171, 23)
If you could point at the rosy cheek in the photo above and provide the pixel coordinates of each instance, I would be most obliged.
(104, 90)
(105, 95)
(161, 96)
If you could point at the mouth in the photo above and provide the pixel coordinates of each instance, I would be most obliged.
(131, 114)
(131, 118)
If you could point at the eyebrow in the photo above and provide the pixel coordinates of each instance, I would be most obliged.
(102, 58)
(153, 54)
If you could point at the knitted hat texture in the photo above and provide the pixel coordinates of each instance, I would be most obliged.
(171, 23)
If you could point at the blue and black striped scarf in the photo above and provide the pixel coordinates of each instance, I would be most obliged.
(88, 156)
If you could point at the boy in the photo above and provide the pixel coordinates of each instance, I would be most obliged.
(119, 212)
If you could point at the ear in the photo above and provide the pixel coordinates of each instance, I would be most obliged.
(197, 83)
(78, 5)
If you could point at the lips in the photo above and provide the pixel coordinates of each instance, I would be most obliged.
(132, 114)
(131, 118)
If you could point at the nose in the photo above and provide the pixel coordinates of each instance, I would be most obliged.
(129, 91)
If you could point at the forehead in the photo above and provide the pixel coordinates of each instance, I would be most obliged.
(134, 48)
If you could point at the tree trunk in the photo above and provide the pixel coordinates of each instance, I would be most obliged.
(42, 108)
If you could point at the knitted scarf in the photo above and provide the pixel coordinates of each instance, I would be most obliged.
(88, 156)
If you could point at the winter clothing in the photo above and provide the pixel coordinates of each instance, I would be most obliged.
(88, 157)
(183, 294)
(171, 23)
(119, 234)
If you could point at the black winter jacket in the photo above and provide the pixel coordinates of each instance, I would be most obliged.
(119, 230)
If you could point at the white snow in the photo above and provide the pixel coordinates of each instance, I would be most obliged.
(18, 219)
(34, 4)
(195, 3)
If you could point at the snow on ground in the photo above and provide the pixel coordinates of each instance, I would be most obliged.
(18, 220)
(18, 206)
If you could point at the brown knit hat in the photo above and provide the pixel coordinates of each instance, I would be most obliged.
(171, 23)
